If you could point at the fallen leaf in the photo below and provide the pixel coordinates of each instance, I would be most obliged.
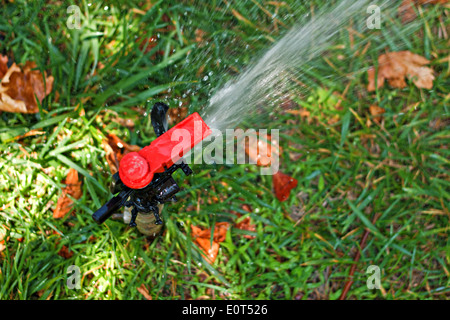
(202, 237)
(2, 241)
(125, 122)
(245, 224)
(30, 133)
(261, 149)
(200, 71)
(220, 232)
(210, 250)
(3, 65)
(422, 2)
(144, 291)
(200, 37)
(395, 66)
(148, 44)
(376, 112)
(73, 189)
(248, 226)
(19, 88)
(282, 185)
(65, 252)
(301, 112)
(115, 149)
(407, 11)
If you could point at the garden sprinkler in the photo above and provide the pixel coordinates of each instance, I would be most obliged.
(144, 180)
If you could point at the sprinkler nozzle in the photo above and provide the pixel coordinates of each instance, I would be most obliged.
(145, 178)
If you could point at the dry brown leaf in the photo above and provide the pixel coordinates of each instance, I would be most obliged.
(65, 252)
(200, 36)
(220, 232)
(115, 149)
(422, 2)
(282, 185)
(263, 151)
(3, 65)
(73, 188)
(210, 250)
(376, 112)
(2, 242)
(302, 113)
(246, 225)
(148, 44)
(395, 66)
(19, 88)
(125, 122)
(202, 237)
(407, 12)
(144, 291)
(152, 41)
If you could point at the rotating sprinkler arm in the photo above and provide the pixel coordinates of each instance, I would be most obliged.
(145, 178)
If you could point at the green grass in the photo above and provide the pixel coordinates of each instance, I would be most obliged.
(348, 172)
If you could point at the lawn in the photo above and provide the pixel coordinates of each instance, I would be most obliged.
(373, 189)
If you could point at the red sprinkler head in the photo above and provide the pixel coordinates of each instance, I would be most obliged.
(136, 169)
(145, 178)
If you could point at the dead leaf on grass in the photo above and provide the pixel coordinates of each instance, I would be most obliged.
(3, 65)
(144, 291)
(248, 226)
(245, 224)
(377, 113)
(2, 241)
(262, 149)
(73, 189)
(202, 237)
(407, 11)
(395, 66)
(65, 252)
(282, 185)
(19, 88)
